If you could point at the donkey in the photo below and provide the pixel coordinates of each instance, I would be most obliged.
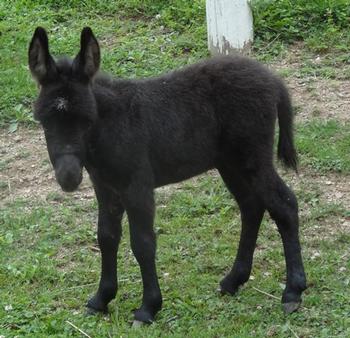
(135, 135)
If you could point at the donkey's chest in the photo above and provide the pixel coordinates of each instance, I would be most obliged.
(111, 167)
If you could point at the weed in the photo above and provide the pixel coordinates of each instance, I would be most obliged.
(322, 24)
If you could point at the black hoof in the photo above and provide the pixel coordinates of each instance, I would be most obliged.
(291, 300)
(224, 292)
(290, 307)
(143, 316)
(226, 288)
(94, 307)
(227, 292)
(92, 312)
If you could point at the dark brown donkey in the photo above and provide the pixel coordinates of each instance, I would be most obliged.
(135, 135)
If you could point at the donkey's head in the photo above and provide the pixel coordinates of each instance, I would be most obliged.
(66, 106)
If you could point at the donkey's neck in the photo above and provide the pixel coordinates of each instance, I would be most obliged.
(114, 96)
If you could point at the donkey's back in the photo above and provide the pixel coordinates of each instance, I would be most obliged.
(188, 121)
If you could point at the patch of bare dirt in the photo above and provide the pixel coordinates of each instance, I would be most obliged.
(321, 98)
(314, 96)
(326, 191)
(25, 169)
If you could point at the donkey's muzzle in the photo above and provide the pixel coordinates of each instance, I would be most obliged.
(68, 171)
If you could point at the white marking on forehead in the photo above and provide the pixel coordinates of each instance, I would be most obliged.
(61, 103)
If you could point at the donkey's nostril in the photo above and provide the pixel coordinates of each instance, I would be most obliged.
(68, 172)
(70, 179)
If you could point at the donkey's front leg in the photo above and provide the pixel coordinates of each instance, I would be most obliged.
(139, 205)
(109, 232)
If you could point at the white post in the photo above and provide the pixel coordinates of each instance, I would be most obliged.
(230, 25)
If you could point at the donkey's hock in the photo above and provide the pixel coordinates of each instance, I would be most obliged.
(135, 135)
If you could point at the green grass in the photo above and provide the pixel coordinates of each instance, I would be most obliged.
(322, 24)
(144, 38)
(324, 145)
(49, 269)
(311, 66)
(132, 45)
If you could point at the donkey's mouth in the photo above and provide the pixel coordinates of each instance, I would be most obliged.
(70, 185)
(69, 173)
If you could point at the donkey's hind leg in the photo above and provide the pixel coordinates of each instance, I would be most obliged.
(252, 211)
(282, 206)
(255, 193)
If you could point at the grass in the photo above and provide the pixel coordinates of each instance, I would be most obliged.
(49, 261)
(313, 66)
(143, 38)
(132, 45)
(322, 24)
(55, 269)
(324, 145)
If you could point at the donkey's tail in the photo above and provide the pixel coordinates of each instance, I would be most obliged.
(286, 150)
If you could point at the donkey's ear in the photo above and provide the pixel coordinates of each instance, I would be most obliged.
(87, 62)
(41, 63)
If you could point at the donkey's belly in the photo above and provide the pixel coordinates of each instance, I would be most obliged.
(166, 173)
